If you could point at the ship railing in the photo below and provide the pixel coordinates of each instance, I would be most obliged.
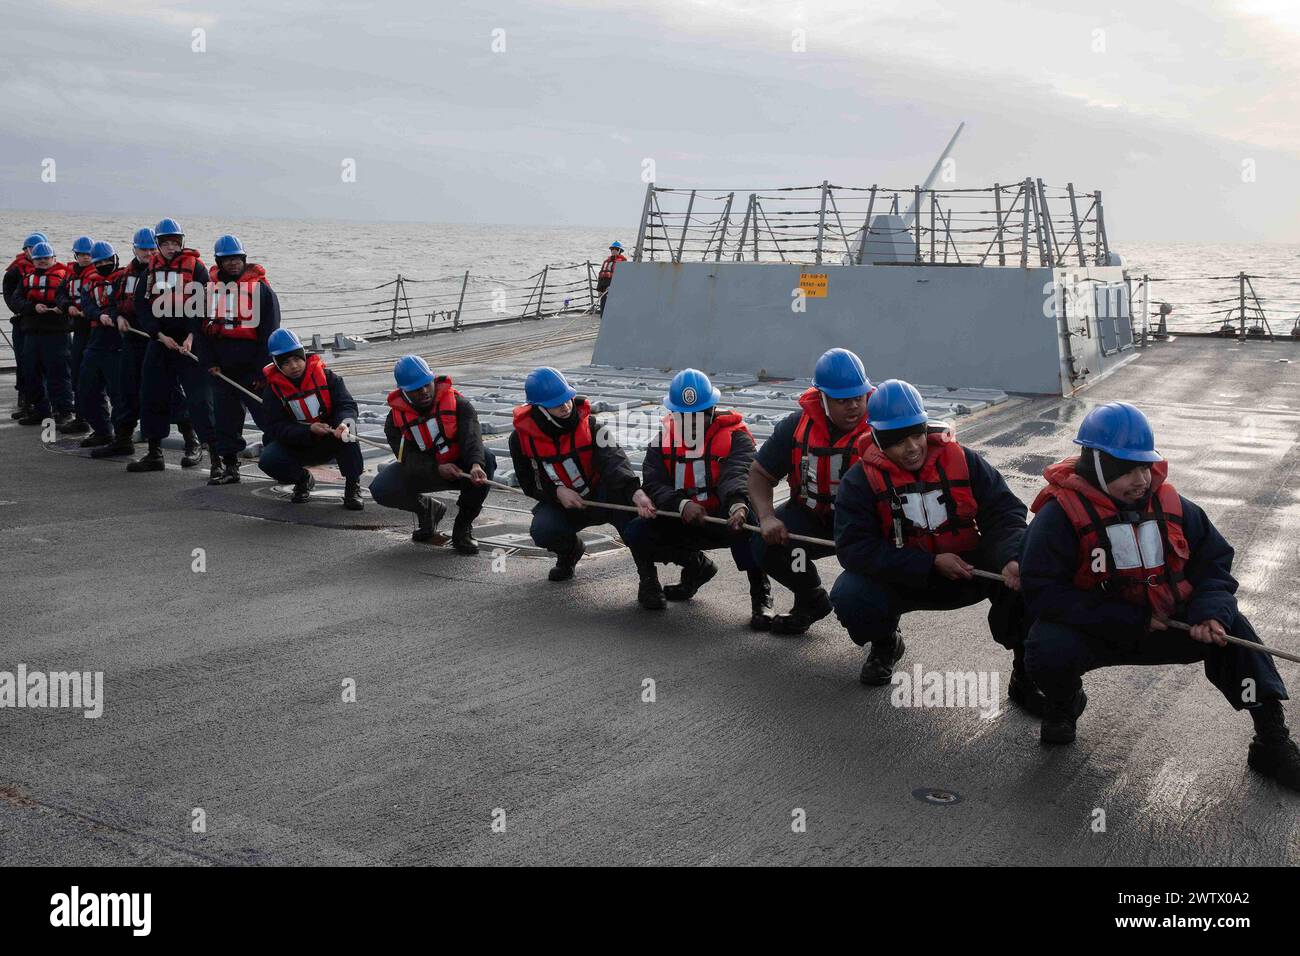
(1225, 306)
(1024, 224)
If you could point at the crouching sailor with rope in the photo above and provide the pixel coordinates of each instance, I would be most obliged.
(1114, 558)
(567, 461)
(811, 449)
(310, 418)
(913, 518)
(696, 466)
(434, 431)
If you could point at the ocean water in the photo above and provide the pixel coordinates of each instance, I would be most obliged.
(340, 276)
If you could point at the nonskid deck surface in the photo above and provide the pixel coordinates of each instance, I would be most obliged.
(480, 685)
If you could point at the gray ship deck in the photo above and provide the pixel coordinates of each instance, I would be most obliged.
(480, 689)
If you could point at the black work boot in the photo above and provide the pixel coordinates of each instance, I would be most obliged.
(120, 445)
(34, 416)
(1021, 689)
(226, 473)
(352, 495)
(215, 471)
(808, 608)
(878, 668)
(696, 572)
(1060, 717)
(302, 487)
(194, 449)
(565, 563)
(428, 513)
(64, 423)
(760, 602)
(152, 461)
(1273, 753)
(23, 410)
(462, 535)
(95, 440)
(648, 593)
(73, 426)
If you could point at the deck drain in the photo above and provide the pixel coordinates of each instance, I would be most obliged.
(937, 796)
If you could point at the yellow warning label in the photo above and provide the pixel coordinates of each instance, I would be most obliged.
(813, 284)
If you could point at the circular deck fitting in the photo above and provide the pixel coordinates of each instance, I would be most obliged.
(937, 796)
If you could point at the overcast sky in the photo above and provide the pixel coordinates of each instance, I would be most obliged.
(1156, 103)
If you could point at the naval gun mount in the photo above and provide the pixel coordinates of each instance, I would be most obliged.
(1012, 286)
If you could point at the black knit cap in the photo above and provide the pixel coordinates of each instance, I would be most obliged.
(892, 436)
(1111, 467)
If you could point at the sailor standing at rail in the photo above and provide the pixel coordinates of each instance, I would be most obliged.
(1113, 553)
(434, 431)
(697, 466)
(169, 306)
(102, 359)
(312, 422)
(243, 312)
(565, 459)
(46, 360)
(13, 280)
(606, 275)
(811, 449)
(912, 519)
(69, 302)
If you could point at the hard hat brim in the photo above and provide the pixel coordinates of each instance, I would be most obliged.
(559, 398)
(697, 407)
(1124, 454)
(904, 421)
(847, 391)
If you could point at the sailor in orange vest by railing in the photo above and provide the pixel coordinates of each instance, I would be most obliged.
(69, 302)
(912, 519)
(811, 449)
(13, 280)
(310, 418)
(434, 431)
(564, 458)
(696, 465)
(1112, 554)
(606, 275)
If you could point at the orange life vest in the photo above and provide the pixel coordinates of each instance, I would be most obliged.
(130, 274)
(235, 305)
(698, 468)
(932, 509)
(171, 280)
(77, 276)
(433, 429)
(41, 285)
(816, 462)
(607, 268)
(22, 262)
(100, 288)
(566, 460)
(1144, 551)
(307, 399)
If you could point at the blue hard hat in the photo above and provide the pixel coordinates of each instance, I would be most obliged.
(102, 250)
(840, 374)
(412, 372)
(616, 244)
(144, 239)
(895, 404)
(42, 250)
(82, 245)
(547, 387)
(283, 341)
(168, 227)
(691, 391)
(33, 239)
(228, 246)
(1120, 430)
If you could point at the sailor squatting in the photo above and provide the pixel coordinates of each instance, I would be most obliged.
(1112, 555)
